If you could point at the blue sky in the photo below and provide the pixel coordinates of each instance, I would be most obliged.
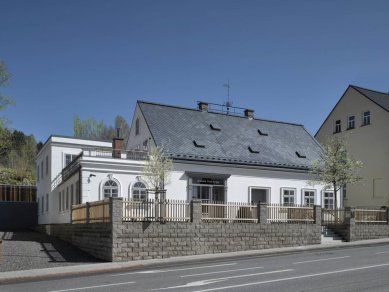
(287, 60)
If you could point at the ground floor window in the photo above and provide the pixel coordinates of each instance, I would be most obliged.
(328, 200)
(207, 189)
(139, 191)
(110, 189)
(309, 198)
(288, 196)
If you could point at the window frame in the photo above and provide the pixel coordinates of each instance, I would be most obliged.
(338, 126)
(135, 188)
(110, 189)
(282, 202)
(137, 127)
(324, 199)
(351, 119)
(303, 191)
(366, 117)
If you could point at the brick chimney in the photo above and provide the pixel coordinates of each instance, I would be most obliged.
(117, 145)
(248, 113)
(203, 106)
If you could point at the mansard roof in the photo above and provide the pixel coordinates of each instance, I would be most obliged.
(191, 134)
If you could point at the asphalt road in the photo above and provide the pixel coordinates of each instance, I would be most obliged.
(341, 269)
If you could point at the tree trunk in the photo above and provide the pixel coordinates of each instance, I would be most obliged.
(335, 204)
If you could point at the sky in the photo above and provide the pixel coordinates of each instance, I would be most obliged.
(287, 60)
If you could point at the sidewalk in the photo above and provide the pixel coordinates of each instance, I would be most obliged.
(36, 274)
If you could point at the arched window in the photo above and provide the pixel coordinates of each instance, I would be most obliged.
(110, 189)
(139, 191)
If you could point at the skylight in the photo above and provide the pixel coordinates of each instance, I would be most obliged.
(252, 150)
(214, 127)
(300, 155)
(262, 133)
(198, 144)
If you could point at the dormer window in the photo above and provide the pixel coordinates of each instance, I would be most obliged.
(262, 133)
(338, 126)
(253, 150)
(214, 127)
(300, 155)
(198, 144)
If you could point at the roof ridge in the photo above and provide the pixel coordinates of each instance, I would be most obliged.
(364, 88)
(216, 113)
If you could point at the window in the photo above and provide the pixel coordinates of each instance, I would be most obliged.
(71, 195)
(338, 126)
(309, 198)
(63, 200)
(366, 118)
(351, 122)
(67, 198)
(47, 202)
(69, 158)
(60, 202)
(42, 169)
(328, 200)
(139, 191)
(137, 126)
(145, 143)
(78, 198)
(37, 172)
(47, 165)
(110, 189)
(288, 196)
(43, 204)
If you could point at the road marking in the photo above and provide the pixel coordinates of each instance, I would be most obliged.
(293, 278)
(173, 270)
(219, 272)
(382, 252)
(211, 281)
(320, 260)
(93, 287)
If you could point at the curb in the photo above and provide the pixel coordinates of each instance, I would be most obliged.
(88, 269)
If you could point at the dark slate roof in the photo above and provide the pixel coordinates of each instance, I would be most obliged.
(180, 129)
(380, 98)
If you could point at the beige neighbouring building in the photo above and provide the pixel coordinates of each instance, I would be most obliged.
(361, 116)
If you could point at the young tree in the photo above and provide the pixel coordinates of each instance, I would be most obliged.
(157, 169)
(335, 168)
(4, 80)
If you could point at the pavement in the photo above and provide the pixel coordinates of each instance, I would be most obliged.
(85, 269)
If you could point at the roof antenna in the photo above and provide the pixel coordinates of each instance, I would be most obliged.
(228, 104)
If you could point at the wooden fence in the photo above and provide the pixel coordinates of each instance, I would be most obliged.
(290, 214)
(332, 216)
(213, 211)
(16, 193)
(154, 210)
(376, 216)
(93, 212)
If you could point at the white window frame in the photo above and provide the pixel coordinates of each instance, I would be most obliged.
(135, 188)
(294, 195)
(363, 118)
(303, 196)
(103, 182)
(72, 156)
(336, 126)
(349, 121)
(333, 198)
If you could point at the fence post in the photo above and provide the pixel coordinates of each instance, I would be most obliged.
(87, 212)
(387, 215)
(317, 214)
(349, 221)
(116, 223)
(116, 210)
(195, 211)
(262, 213)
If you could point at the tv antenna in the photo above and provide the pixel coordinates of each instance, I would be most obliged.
(228, 104)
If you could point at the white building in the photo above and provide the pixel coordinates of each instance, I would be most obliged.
(216, 156)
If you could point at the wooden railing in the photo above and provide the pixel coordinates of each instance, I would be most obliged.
(289, 214)
(332, 216)
(93, 212)
(152, 210)
(371, 216)
(213, 211)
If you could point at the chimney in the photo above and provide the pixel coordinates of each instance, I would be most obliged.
(117, 145)
(248, 113)
(203, 106)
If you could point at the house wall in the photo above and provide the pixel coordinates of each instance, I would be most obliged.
(135, 141)
(368, 144)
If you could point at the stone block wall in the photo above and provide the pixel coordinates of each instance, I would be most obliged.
(368, 231)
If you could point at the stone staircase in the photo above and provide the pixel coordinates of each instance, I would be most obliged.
(329, 237)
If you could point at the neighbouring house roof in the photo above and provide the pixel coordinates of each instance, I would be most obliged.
(191, 134)
(380, 98)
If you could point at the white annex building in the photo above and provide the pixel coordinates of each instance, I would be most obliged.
(216, 156)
